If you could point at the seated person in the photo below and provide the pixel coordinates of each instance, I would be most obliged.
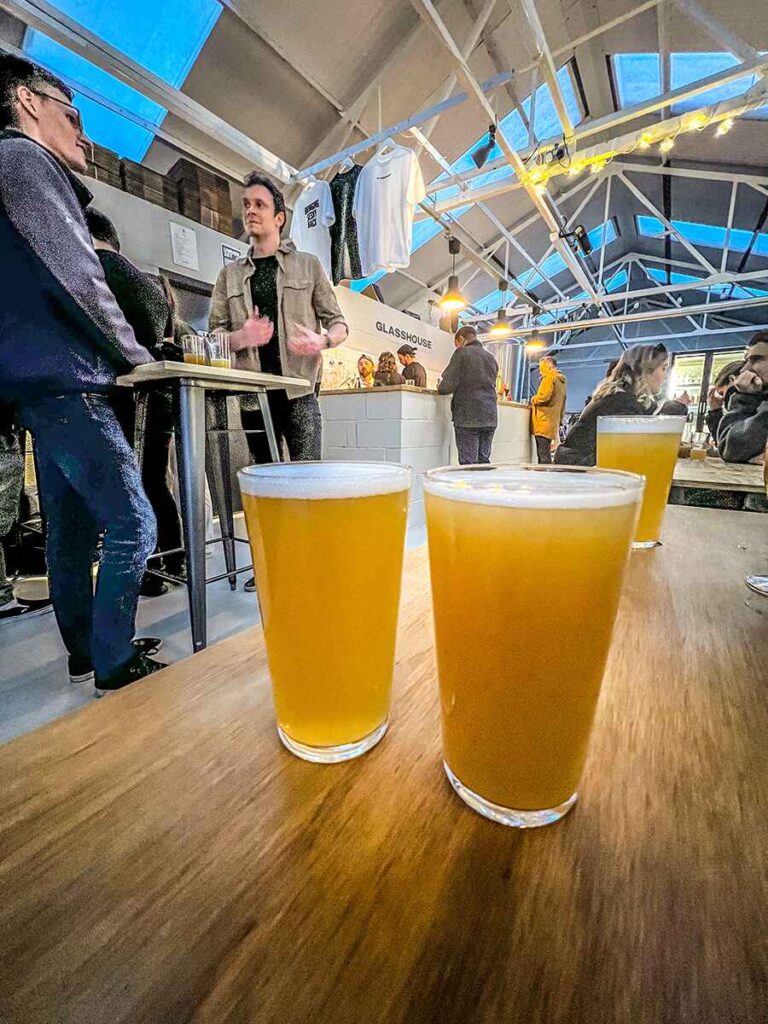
(386, 373)
(629, 390)
(718, 395)
(743, 431)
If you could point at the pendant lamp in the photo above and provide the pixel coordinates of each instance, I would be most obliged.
(452, 300)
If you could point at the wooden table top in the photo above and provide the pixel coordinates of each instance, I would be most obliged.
(211, 375)
(164, 860)
(715, 475)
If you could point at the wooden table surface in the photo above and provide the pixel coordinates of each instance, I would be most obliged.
(163, 859)
(716, 475)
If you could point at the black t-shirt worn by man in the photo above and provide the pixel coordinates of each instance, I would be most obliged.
(264, 295)
(416, 372)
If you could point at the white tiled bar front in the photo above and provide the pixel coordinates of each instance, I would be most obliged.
(410, 426)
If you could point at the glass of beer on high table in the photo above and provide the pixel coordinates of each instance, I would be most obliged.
(517, 709)
(327, 540)
(647, 445)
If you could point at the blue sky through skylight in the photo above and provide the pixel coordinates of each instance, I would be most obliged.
(165, 38)
(638, 78)
(718, 291)
(711, 236)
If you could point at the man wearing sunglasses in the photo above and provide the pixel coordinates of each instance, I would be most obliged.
(63, 342)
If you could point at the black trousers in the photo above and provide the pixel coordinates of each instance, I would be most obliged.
(474, 444)
(297, 421)
(154, 470)
(543, 450)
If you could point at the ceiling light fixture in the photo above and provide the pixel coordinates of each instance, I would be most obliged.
(646, 141)
(666, 144)
(453, 301)
(725, 126)
(534, 344)
(501, 328)
(481, 154)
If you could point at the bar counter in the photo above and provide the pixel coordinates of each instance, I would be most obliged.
(411, 426)
(163, 859)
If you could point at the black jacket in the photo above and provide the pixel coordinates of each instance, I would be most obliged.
(416, 373)
(142, 302)
(470, 377)
(580, 445)
(60, 328)
(743, 430)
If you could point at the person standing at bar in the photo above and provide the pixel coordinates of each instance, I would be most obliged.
(470, 377)
(274, 302)
(547, 408)
(146, 308)
(411, 369)
(63, 342)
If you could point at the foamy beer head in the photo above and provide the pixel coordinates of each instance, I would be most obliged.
(641, 425)
(323, 480)
(535, 487)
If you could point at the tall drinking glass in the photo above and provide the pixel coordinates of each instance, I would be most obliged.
(505, 543)
(327, 540)
(647, 445)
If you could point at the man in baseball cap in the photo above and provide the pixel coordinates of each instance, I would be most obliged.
(411, 369)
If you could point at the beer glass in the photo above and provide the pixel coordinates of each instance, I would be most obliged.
(527, 564)
(194, 349)
(327, 540)
(217, 349)
(647, 445)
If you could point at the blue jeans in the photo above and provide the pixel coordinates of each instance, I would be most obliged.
(89, 482)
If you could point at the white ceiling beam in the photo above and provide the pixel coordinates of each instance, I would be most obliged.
(678, 303)
(428, 11)
(498, 60)
(396, 129)
(641, 317)
(46, 18)
(698, 174)
(161, 131)
(702, 333)
(646, 202)
(547, 66)
(716, 30)
(729, 226)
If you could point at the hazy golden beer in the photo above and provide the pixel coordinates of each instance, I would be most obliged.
(527, 565)
(327, 542)
(647, 445)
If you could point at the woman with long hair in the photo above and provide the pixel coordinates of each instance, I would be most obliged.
(630, 389)
(386, 373)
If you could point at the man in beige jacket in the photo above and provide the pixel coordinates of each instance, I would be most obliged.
(274, 302)
(547, 408)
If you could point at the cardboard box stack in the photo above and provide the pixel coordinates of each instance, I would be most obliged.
(104, 165)
(147, 184)
(203, 196)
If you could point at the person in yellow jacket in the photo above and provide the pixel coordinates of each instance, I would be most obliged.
(547, 408)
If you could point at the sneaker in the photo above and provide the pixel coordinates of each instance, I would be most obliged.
(250, 585)
(137, 668)
(82, 671)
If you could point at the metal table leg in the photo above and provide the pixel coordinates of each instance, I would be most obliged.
(190, 454)
(269, 428)
(220, 476)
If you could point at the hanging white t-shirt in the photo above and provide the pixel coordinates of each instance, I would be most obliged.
(312, 216)
(389, 187)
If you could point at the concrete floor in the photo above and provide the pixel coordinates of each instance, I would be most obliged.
(34, 685)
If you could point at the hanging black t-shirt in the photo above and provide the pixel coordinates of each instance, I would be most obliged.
(345, 253)
(264, 295)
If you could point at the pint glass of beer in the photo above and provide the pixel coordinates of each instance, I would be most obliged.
(327, 541)
(647, 445)
(527, 564)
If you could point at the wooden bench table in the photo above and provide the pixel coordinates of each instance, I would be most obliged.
(163, 860)
(715, 475)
